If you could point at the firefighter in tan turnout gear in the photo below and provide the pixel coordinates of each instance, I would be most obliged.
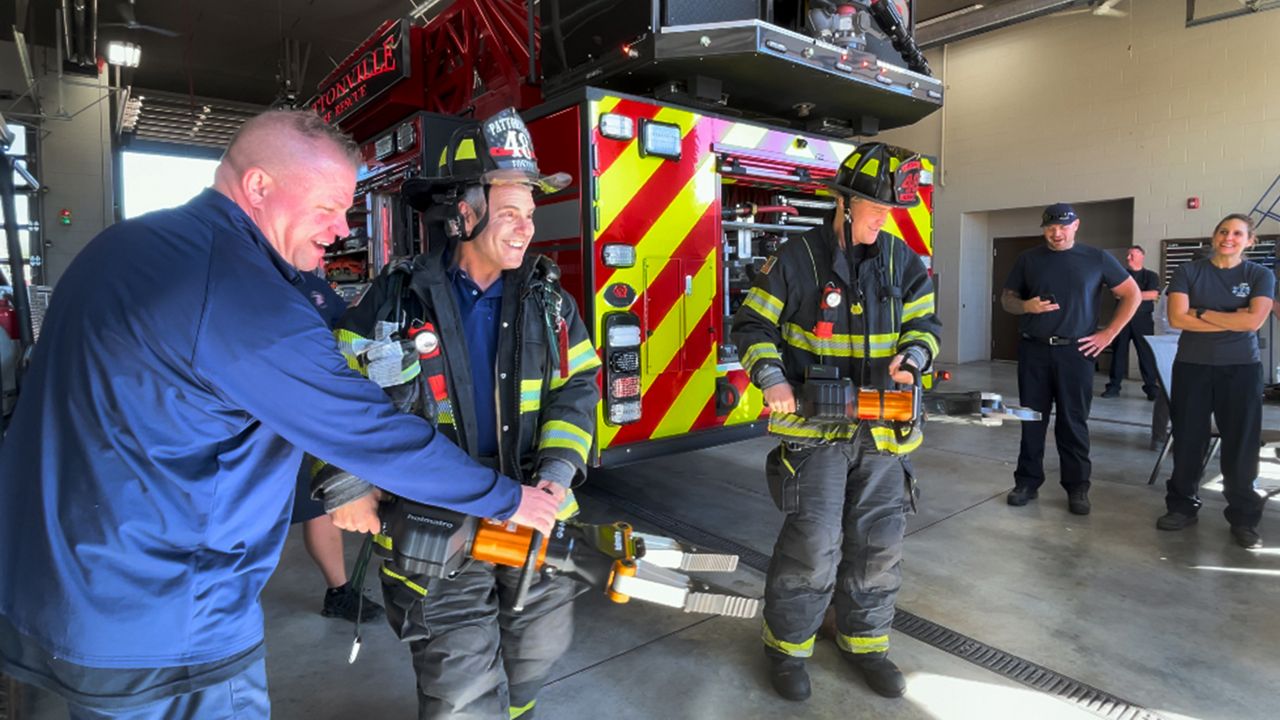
(845, 301)
(478, 337)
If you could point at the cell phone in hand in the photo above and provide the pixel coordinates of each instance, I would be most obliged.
(1049, 298)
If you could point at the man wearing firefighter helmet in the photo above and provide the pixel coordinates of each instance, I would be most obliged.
(496, 356)
(849, 300)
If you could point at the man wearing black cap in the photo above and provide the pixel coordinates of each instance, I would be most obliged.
(849, 301)
(493, 352)
(1142, 325)
(1055, 290)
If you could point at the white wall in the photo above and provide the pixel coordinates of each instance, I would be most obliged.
(75, 151)
(1082, 108)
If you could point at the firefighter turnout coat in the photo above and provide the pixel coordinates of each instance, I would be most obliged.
(886, 308)
(546, 383)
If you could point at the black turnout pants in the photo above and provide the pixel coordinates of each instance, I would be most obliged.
(1232, 395)
(1060, 377)
(1141, 325)
(475, 658)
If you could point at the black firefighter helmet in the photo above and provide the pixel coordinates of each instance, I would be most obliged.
(495, 151)
(881, 173)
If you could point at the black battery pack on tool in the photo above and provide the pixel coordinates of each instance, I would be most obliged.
(825, 396)
(425, 540)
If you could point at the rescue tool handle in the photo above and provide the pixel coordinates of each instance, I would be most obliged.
(527, 571)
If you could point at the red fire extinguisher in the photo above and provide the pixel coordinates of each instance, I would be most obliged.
(8, 318)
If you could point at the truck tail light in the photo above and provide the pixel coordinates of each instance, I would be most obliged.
(622, 368)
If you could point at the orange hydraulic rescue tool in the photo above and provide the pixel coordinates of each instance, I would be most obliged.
(423, 540)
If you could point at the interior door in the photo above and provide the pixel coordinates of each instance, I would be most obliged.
(1004, 325)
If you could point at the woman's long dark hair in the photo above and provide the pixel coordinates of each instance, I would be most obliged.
(1248, 222)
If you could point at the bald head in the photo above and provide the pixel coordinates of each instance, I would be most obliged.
(294, 176)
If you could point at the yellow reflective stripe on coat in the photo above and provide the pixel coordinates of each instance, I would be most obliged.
(530, 395)
(568, 507)
(444, 413)
(886, 439)
(582, 357)
(800, 650)
(382, 541)
(516, 712)
(789, 425)
(346, 344)
(924, 338)
(840, 345)
(407, 582)
(564, 435)
(863, 645)
(758, 352)
(918, 308)
(768, 306)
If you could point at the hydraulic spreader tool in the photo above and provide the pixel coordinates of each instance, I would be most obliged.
(624, 564)
(824, 395)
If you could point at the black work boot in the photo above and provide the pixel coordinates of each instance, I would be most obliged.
(788, 676)
(344, 602)
(1246, 537)
(879, 672)
(1175, 521)
(1020, 496)
(1078, 502)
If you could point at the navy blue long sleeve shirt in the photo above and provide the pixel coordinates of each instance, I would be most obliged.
(146, 477)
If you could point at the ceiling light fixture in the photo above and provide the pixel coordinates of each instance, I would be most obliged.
(123, 54)
(949, 15)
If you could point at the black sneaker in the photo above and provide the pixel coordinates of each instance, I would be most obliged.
(1175, 521)
(788, 676)
(344, 602)
(1020, 496)
(1246, 537)
(1078, 502)
(881, 674)
(1111, 393)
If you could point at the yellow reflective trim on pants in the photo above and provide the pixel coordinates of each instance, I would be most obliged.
(887, 440)
(840, 345)
(346, 344)
(863, 645)
(516, 712)
(561, 434)
(382, 541)
(921, 306)
(759, 351)
(582, 357)
(926, 339)
(407, 582)
(800, 650)
(768, 306)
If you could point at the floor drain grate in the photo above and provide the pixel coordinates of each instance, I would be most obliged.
(949, 641)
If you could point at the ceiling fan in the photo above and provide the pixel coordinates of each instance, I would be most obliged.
(1107, 8)
(126, 11)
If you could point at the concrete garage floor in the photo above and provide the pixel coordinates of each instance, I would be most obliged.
(1179, 623)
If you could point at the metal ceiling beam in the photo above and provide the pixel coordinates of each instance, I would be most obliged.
(988, 19)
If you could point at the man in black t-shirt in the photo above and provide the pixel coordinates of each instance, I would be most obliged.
(1142, 324)
(1054, 289)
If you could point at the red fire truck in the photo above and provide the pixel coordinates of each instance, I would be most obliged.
(698, 135)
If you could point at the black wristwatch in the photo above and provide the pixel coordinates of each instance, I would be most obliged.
(1199, 313)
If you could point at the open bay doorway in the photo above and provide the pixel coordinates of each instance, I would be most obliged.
(157, 180)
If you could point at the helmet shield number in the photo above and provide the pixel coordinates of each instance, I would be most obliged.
(906, 180)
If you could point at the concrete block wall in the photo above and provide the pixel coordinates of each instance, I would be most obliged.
(1082, 108)
(75, 151)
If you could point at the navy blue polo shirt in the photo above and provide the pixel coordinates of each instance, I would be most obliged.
(1073, 278)
(481, 313)
(146, 477)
